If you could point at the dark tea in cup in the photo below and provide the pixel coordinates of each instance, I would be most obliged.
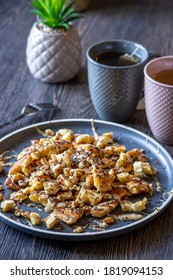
(112, 58)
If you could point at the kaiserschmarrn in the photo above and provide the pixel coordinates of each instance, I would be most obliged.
(74, 175)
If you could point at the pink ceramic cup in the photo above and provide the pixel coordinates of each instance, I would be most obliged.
(159, 100)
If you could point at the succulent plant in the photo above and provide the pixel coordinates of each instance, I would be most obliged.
(56, 14)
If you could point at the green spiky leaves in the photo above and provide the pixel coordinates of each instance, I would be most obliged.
(55, 13)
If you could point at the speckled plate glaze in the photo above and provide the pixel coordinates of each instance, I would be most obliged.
(129, 137)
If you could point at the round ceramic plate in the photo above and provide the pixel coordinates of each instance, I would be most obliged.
(129, 137)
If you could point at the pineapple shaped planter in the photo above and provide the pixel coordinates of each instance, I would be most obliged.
(53, 54)
(53, 57)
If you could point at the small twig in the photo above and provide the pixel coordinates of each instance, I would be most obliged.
(96, 135)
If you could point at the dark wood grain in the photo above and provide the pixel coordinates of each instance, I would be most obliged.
(147, 22)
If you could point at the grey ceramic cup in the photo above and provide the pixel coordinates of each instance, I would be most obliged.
(159, 100)
(115, 90)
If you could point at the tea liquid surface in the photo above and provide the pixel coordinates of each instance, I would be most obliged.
(112, 58)
(164, 76)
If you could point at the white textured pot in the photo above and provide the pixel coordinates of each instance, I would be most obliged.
(81, 5)
(53, 57)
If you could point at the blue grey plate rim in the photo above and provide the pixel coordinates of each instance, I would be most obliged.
(133, 136)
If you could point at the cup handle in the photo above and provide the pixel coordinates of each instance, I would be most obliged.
(153, 54)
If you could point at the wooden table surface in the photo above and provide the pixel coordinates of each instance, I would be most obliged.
(147, 22)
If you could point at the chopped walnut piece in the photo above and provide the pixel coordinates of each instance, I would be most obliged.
(1, 168)
(109, 220)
